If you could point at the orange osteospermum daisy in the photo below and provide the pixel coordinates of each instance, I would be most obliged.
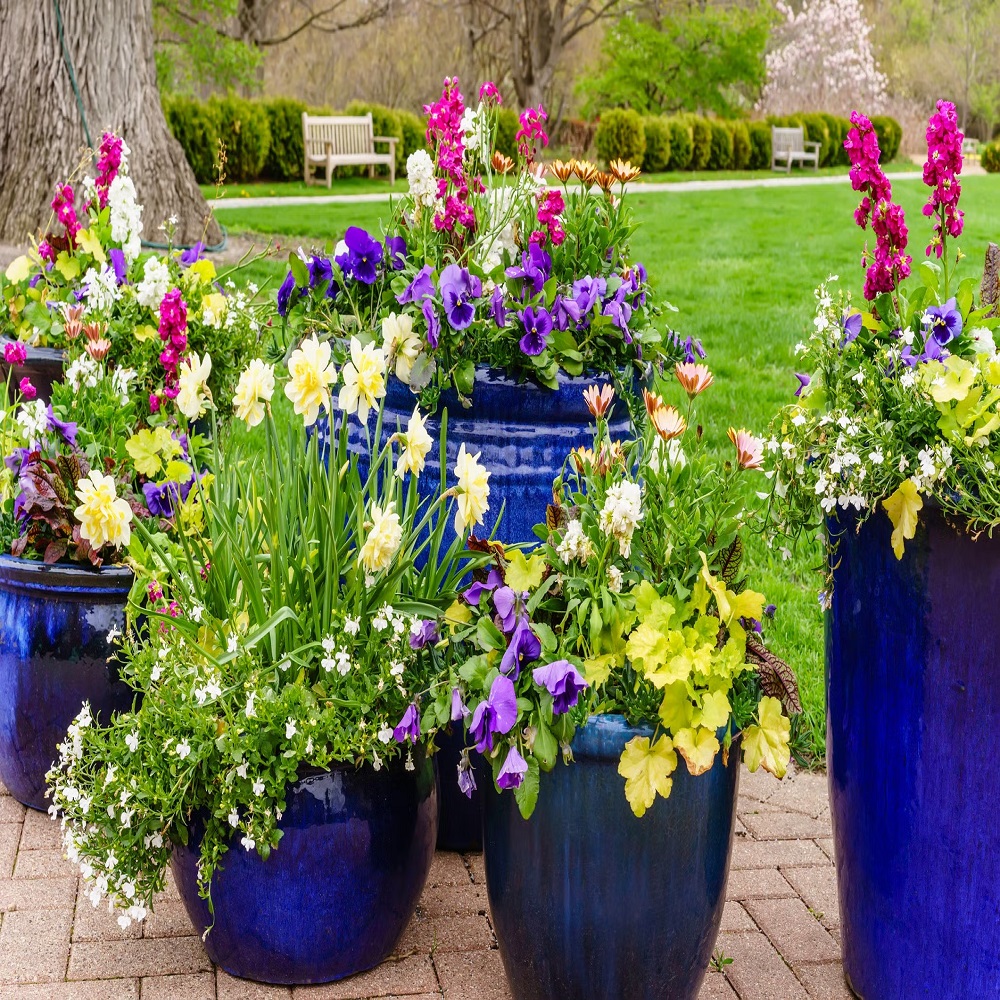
(502, 164)
(561, 170)
(623, 171)
(586, 171)
(668, 422)
(599, 400)
(749, 449)
(694, 378)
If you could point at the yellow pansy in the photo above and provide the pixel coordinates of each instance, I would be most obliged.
(311, 376)
(646, 770)
(203, 270)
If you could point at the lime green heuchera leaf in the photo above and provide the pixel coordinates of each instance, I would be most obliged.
(677, 710)
(68, 267)
(951, 381)
(732, 606)
(648, 648)
(652, 608)
(524, 574)
(766, 744)
(646, 770)
(715, 710)
(90, 243)
(902, 508)
(698, 747)
(18, 269)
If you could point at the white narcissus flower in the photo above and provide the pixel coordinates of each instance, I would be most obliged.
(311, 376)
(364, 379)
(104, 516)
(400, 344)
(383, 539)
(473, 490)
(254, 389)
(416, 446)
(192, 390)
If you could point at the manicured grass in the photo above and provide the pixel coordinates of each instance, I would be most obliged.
(741, 266)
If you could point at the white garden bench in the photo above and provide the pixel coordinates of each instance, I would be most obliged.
(341, 141)
(788, 146)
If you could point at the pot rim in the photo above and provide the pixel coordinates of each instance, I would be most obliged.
(34, 575)
(603, 737)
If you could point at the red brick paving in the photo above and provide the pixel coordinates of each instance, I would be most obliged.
(780, 926)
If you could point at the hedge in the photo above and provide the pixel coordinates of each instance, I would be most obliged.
(721, 157)
(244, 128)
(657, 156)
(760, 145)
(701, 135)
(507, 126)
(197, 130)
(890, 135)
(741, 144)
(620, 136)
(989, 157)
(414, 132)
(817, 130)
(681, 144)
(838, 128)
(286, 152)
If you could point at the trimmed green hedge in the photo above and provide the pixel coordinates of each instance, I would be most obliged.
(701, 136)
(721, 157)
(507, 126)
(286, 152)
(620, 136)
(741, 144)
(657, 156)
(195, 127)
(989, 157)
(760, 145)
(681, 144)
(890, 135)
(243, 126)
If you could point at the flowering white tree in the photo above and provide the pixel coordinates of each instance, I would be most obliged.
(823, 60)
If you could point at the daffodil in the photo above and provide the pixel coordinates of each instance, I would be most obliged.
(473, 490)
(364, 379)
(104, 516)
(254, 389)
(311, 376)
(400, 344)
(416, 446)
(192, 391)
(383, 539)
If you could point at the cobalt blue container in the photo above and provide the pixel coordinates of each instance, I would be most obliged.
(54, 625)
(913, 702)
(43, 366)
(589, 901)
(336, 895)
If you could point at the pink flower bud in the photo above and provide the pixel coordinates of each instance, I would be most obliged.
(27, 389)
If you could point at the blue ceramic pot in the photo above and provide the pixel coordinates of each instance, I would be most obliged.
(913, 699)
(460, 817)
(337, 894)
(54, 624)
(590, 902)
(43, 366)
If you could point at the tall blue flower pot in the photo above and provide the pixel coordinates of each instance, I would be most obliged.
(590, 902)
(913, 701)
(43, 366)
(523, 433)
(54, 625)
(336, 895)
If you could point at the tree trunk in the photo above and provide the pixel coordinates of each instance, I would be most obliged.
(536, 45)
(110, 44)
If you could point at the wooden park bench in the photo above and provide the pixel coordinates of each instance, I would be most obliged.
(788, 146)
(340, 141)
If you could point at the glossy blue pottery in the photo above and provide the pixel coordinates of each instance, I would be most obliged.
(460, 817)
(913, 695)
(336, 895)
(42, 366)
(54, 624)
(591, 903)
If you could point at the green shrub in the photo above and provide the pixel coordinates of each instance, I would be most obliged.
(195, 127)
(701, 135)
(890, 135)
(620, 136)
(721, 157)
(989, 157)
(414, 132)
(760, 145)
(741, 144)
(243, 127)
(507, 126)
(286, 154)
(657, 156)
(386, 122)
(681, 144)
(838, 128)
(816, 130)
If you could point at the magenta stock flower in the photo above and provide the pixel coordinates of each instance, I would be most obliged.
(63, 206)
(27, 389)
(14, 353)
(944, 164)
(109, 159)
(173, 333)
(889, 264)
(445, 134)
(532, 121)
(488, 91)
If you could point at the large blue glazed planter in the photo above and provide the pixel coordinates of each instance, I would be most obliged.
(913, 696)
(336, 895)
(54, 625)
(43, 366)
(590, 902)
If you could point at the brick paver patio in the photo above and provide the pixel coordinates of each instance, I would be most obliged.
(780, 925)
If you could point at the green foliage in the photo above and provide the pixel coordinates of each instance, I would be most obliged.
(386, 122)
(620, 136)
(741, 144)
(701, 133)
(243, 126)
(196, 128)
(285, 155)
(890, 135)
(414, 132)
(721, 156)
(760, 145)
(704, 57)
(681, 143)
(838, 128)
(657, 157)
(817, 130)
(507, 126)
(989, 157)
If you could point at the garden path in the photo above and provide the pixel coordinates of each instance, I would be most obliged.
(780, 926)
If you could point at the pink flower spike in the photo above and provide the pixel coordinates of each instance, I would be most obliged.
(14, 353)
(488, 91)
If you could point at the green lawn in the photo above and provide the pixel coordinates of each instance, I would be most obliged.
(740, 265)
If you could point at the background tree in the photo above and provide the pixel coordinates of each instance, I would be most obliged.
(110, 43)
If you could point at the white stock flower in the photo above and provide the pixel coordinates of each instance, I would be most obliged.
(126, 216)
(156, 282)
(420, 175)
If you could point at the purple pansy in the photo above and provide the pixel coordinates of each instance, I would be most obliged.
(466, 776)
(804, 381)
(537, 325)
(424, 633)
(563, 681)
(192, 255)
(285, 294)
(362, 257)
(587, 291)
(419, 289)
(320, 270)
(565, 311)
(493, 580)
(395, 249)
(505, 602)
(497, 309)
(851, 325)
(17, 461)
(118, 264)
(161, 498)
(536, 266)
(515, 767)
(523, 648)
(65, 428)
(409, 725)
(458, 709)
(945, 322)
(620, 311)
(458, 289)
(496, 714)
(432, 321)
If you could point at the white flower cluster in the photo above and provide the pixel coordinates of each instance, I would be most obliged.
(126, 215)
(575, 544)
(475, 126)
(156, 282)
(34, 420)
(83, 371)
(102, 289)
(420, 174)
(621, 514)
